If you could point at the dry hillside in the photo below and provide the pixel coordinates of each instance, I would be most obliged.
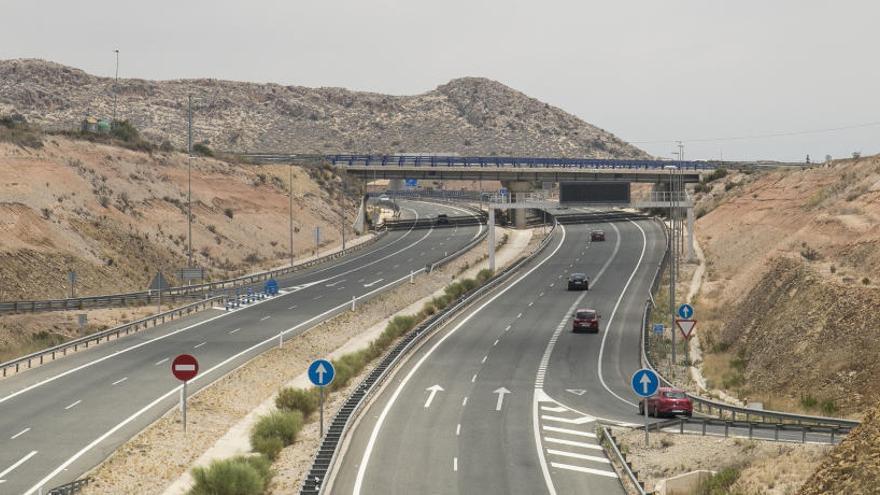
(467, 116)
(789, 313)
(116, 216)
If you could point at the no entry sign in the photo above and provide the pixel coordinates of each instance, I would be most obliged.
(185, 367)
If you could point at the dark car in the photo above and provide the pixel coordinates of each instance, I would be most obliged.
(668, 401)
(597, 235)
(585, 319)
(442, 219)
(578, 281)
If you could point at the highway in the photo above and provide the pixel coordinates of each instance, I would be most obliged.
(59, 420)
(505, 399)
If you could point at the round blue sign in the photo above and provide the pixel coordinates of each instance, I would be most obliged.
(645, 382)
(685, 311)
(321, 372)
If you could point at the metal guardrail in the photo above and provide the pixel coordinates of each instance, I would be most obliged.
(833, 432)
(625, 465)
(173, 293)
(327, 453)
(70, 488)
(709, 406)
(509, 161)
(61, 350)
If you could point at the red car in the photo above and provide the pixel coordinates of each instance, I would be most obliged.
(668, 401)
(585, 319)
(597, 235)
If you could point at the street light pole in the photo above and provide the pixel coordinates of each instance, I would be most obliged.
(116, 86)
(189, 148)
(672, 266)
(290, 207)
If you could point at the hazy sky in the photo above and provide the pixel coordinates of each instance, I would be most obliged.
(650, 71)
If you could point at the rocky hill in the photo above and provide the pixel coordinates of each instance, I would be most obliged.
(465, 116)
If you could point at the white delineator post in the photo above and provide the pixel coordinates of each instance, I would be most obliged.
(491, 240)
(353, 300)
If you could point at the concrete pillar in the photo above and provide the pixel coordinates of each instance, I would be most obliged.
(518, 191)
(690, 240)
(395, 184)
(491, 239)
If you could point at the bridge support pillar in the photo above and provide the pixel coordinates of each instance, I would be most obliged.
(490, 224)
(518, 190)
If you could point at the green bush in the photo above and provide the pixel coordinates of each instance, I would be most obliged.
(202, 149)
(282, 426)
(808, 401)
(242, 475)
(720, 482)
(124, 131)
(718, 173)
(828, 407)
(298, 399)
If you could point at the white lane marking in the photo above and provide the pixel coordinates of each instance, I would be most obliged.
(484, 359)
(496, 342)
(335, 283)
(600, 472)
(374, 435)
(117, 382)
(361, 280)
(22, 432)
(292, 307)
(474, 379)
(395, 266)
(18, 463)
(567, 431)
(585, 457)
(73, 405)
(541, 294)
(341, 288)
(373, 282)
(265, 317)
(160, 362)
(519, 315)
(508, 328)
(531, 303)
(318, 297)
(457, 429)
(554, 283)
(464, 402)
(572, 443)
(455, 463)
(617, 305)
(198, 345)
(576, 421)
(553, 409)
(233, 331)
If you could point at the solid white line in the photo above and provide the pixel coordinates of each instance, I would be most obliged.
(233, 331)
(616, 306)
(455, 463)
(484, 359)
(474, 379)
(553, 409)
(199, 345)
(374, 435)
(457, 429)
(160, 362)
(585, 457)
(22, 432)
(600, 472)
(496, 342)
(576, 421)
(464, 402)
(567, 431)
(117, 382)
(19, 463)
(73, 405)
(573, 443)
(265, 317)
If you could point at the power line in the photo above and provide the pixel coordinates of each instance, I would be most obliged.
(761, 136)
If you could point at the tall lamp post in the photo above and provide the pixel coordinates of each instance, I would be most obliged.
(290, 207)
(116, 85)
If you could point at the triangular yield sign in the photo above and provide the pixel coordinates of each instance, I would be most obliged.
(686, 327)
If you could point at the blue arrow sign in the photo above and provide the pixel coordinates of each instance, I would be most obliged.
(271, 286)
(321, 372)
(503, 191)
(412, 182)
(685, 311)
(645, 382)
(658, 328)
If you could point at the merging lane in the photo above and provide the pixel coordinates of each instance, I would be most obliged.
(59, 420)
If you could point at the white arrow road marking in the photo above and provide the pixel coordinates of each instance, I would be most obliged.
(576, 391)
(432, 391)
(19, 463)
(22, 432)
(576, 421)
(373, 283)
(501, 391)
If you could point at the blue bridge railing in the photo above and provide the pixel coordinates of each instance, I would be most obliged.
(510, 161)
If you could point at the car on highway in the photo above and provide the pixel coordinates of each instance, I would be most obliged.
(442, 219)
(597, 235)
(578, 281)
(585, 319)
(668, 401)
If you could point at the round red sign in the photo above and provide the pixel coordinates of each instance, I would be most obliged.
(185, 367)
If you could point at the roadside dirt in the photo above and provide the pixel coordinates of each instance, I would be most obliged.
(765, 468)
(153, 459)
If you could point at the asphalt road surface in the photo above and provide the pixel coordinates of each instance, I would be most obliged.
(506, 399)
(61, 419)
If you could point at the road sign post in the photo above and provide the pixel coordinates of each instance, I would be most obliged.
(645, 383)
(184, 368)
(321, 374)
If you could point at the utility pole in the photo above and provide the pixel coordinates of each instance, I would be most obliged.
(290, 207)
(189, 147)
(672, 267)
(116, 86)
